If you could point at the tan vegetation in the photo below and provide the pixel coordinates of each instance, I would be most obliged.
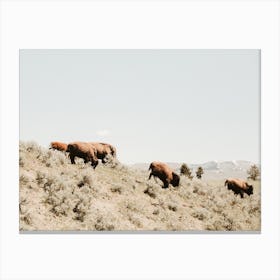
(254, 173)
(56, 195)
(185, 171)
(199, 172)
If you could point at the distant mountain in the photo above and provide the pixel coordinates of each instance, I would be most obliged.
(212, 169)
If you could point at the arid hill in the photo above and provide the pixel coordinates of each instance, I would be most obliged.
(55, 195)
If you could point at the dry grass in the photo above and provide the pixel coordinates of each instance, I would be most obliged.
(55, 195)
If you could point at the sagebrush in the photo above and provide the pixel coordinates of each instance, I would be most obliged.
(56, 195)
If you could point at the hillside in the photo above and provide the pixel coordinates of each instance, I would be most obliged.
(55, 195)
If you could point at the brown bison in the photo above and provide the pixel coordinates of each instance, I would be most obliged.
(104, 151)
(58, 146)
(82, 150)
(164, 173)
(239, 186)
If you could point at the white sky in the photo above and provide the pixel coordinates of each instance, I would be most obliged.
(170, 105)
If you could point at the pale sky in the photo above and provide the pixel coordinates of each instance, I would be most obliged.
(187, 106)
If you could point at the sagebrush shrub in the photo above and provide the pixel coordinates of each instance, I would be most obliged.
(116, 188)
(150, 191)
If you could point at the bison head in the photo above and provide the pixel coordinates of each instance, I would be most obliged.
(249, 189)
(175, 180)
(69, 148)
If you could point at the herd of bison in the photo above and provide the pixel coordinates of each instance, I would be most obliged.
(94, 151)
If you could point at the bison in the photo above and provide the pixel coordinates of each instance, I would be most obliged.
(58, 146)
(104, 150)
(239, 186)
(164, 173)
(82, 150)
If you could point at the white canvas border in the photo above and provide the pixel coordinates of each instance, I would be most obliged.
(124, 24)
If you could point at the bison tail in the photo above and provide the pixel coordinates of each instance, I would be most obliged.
(226, 182)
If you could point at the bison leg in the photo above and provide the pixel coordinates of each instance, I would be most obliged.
(241, 194)
(72, 158)
(165, 185)
(94, 164)
(155, 178)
